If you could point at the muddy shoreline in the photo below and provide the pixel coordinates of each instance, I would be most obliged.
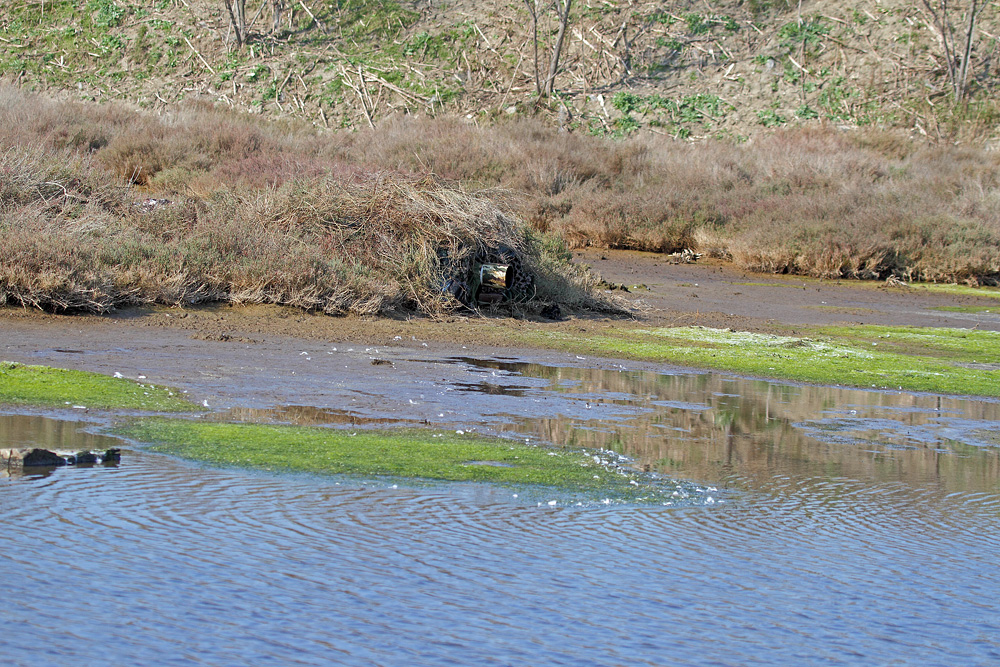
(381, 368)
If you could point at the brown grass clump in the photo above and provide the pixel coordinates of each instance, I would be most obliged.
(816, 201)
(359, 222)
(357, 247)
(263, 220)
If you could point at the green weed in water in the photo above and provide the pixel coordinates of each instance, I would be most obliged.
(41, 385)
(947, 361)
(411, 454)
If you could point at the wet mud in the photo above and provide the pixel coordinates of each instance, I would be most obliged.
(715, 294)
(260, 357)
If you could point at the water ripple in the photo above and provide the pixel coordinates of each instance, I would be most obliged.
(163, 562)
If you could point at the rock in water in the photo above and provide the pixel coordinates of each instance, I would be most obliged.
(36, 457)
(41, 458)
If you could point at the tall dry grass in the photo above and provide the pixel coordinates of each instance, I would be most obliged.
(819, 201)
(256, 214)
(353, 222)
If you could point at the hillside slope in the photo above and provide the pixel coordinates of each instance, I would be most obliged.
(682, 68)
(146, 157)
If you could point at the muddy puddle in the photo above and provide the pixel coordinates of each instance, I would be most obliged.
(861, 527)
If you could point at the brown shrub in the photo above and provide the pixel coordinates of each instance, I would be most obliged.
(134, 160)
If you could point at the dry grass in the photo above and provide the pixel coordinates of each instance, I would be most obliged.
(812, 201)
(254, 216)
(356, 222)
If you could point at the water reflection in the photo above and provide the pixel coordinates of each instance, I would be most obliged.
(707, 427)
(26, 431)
(716, 428)
(29, 432)
(851, 556)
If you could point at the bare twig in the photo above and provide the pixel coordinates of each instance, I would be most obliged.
(281, 87)
(237, 20)
(255, 16)
(563, 6)
(204, 62)
(361, 90)
(401, 91)
(488, 45)
(790, 58)
(312, 16)
(956, 60)
(512, 80)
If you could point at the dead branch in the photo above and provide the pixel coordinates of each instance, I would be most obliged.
(203, 61)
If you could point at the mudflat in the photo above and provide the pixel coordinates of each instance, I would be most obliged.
(386, 368)
(715, 294)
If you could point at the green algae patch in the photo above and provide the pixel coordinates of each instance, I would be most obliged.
(419, 454)
(966, 309)
(21, 384)
(945, 361)
(963, 345)
(958, 290)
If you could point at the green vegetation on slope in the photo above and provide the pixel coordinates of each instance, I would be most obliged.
(676, 67)
(41, 385)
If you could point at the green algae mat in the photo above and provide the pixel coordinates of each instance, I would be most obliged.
(412, 454)
(21, 384)
(936, 360)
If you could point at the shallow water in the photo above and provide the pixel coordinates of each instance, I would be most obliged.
(857, 527)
